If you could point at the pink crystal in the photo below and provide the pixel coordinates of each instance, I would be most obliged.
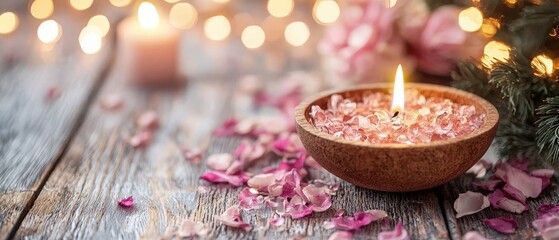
(425, 119)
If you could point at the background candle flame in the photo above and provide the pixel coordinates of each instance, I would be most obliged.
(398, 97)
(147, 15)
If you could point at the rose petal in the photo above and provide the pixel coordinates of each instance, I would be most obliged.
(203, 189)
(232, 217)
(340, 235)
(190, 229)
(141, 139)
(339, 213)
(192, 154)
(473, 235)
(502, 224)
(277, 221)
(261, 182)
(358, 219)
(111, 102)
(499, 200)
(548, 173)
(547, 209)
(249, 200)
(126, 202)
(399, 233)
(297, 208)
(318, 197)
(514, 193)
(328, 225)
(227, 128)
(489, 184)
(148, 120)
(469, 203)
(528, 185)
(220, 177)
(220, 161)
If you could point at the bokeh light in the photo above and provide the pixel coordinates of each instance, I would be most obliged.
(91, 39)
(390, 3)
(470, 19)
(147, 15)
(217, 28)
(42, 9)
(49, 31)
(221, 1)
(120, 3)
(280, 8)
(81, 4)
(183, 16)
(542, 65)
(253, 36)
(9, 22)
(100, 22)
(297, 33)
(172, 1)
(495, 51)
(326, 11)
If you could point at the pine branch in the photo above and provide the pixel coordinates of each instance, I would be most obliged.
(516, 138)
(534, 25)
(547, 135)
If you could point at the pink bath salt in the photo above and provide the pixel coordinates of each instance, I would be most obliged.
(399, 233)
(111, 102)
(141, 139)
(232, 217)
(148, 120)
(502, 224)
(126, 202)
(370, 119)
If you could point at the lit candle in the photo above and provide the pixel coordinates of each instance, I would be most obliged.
(147, 48)
(398, 96)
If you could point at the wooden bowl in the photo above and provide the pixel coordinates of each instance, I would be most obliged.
(397, 167)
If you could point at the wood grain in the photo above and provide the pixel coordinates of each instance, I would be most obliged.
(458, 227)
(33, 130)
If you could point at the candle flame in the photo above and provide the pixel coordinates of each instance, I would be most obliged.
(398, 97)
(147, 15)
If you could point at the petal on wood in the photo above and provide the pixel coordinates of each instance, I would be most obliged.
(473, 235)
(220, 161)
(232, 217)
(502, 224)
(126, 202)
(399, 233)
(469, 203)
(340, 235)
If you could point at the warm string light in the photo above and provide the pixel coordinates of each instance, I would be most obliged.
(49, 31)
(253, 37)
(390, 3)
(470, 19)
(81, 4)
(495, 51)
(42, 9)
(217, 28)
(100, 22)
(489, 27)
(326, 11)
(120, 3)
(297, 33)
(91, 39)
(183, 16)
(280, 8)
(542, 65)
(9, 22)
(147, 15)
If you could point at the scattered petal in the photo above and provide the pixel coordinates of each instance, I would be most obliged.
(473, 235)
(528, 185)
(232, 217)
(297, 208)
(490, 184)
(141, 139)
(547, 209)
(318, 197)
(328, 225)
(111, 102)
(548, 173)
(249, 200)
(358, 219)
(148, 120)
(341, 235)
(126, 202)
(514, 193)
(227, 128)
(53, 93)
(469, 203)
(399, 233)
(220, 161)
(192, 154)
(220, 177)
(262, 181)
(548, 225)
(277, 221)
(502, 224)
(203, 189)
(499, 200)
(191, 229)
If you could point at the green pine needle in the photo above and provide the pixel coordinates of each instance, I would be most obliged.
(547, 135)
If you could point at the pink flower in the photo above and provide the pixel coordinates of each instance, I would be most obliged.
(232, 217)
(441, 42)
(126, 202)
(502, 224)
(363, 45)
(358, 219)
(399, 233)
(469, 203)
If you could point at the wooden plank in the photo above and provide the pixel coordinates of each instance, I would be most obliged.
(33, 130)
(458, 227)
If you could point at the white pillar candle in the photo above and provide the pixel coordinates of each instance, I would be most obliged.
(148, 48)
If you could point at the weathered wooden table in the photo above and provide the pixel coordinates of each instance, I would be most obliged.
(64, 163)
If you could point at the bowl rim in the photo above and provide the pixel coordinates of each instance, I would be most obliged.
(491, 118)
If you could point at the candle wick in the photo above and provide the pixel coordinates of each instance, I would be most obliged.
(395, 114)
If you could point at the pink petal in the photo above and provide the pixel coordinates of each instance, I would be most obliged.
(286, 186)
(489, 184)
(297, 208)
(297, 163)
(288, 145)
(126, 202)
(227, 128)
(262, 181)
(502, 224)
(141, 139)
(341, 235)
(232, 217)
(249, 199)
(399, 233)
(469, 203)
(473, 235)
(148, 120)
(339, 213)
(111, 102)
(328, 225)
(189, 229)
(528, 185)
(220, 177)
(277, 221)
(203, 189)
(547, 173)
(318, 197)
(53, 93)
(547, 209)
(500, 200)
(220, 161)
(551, 233)
(358, 219)
(193, 154)
(548, 226)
